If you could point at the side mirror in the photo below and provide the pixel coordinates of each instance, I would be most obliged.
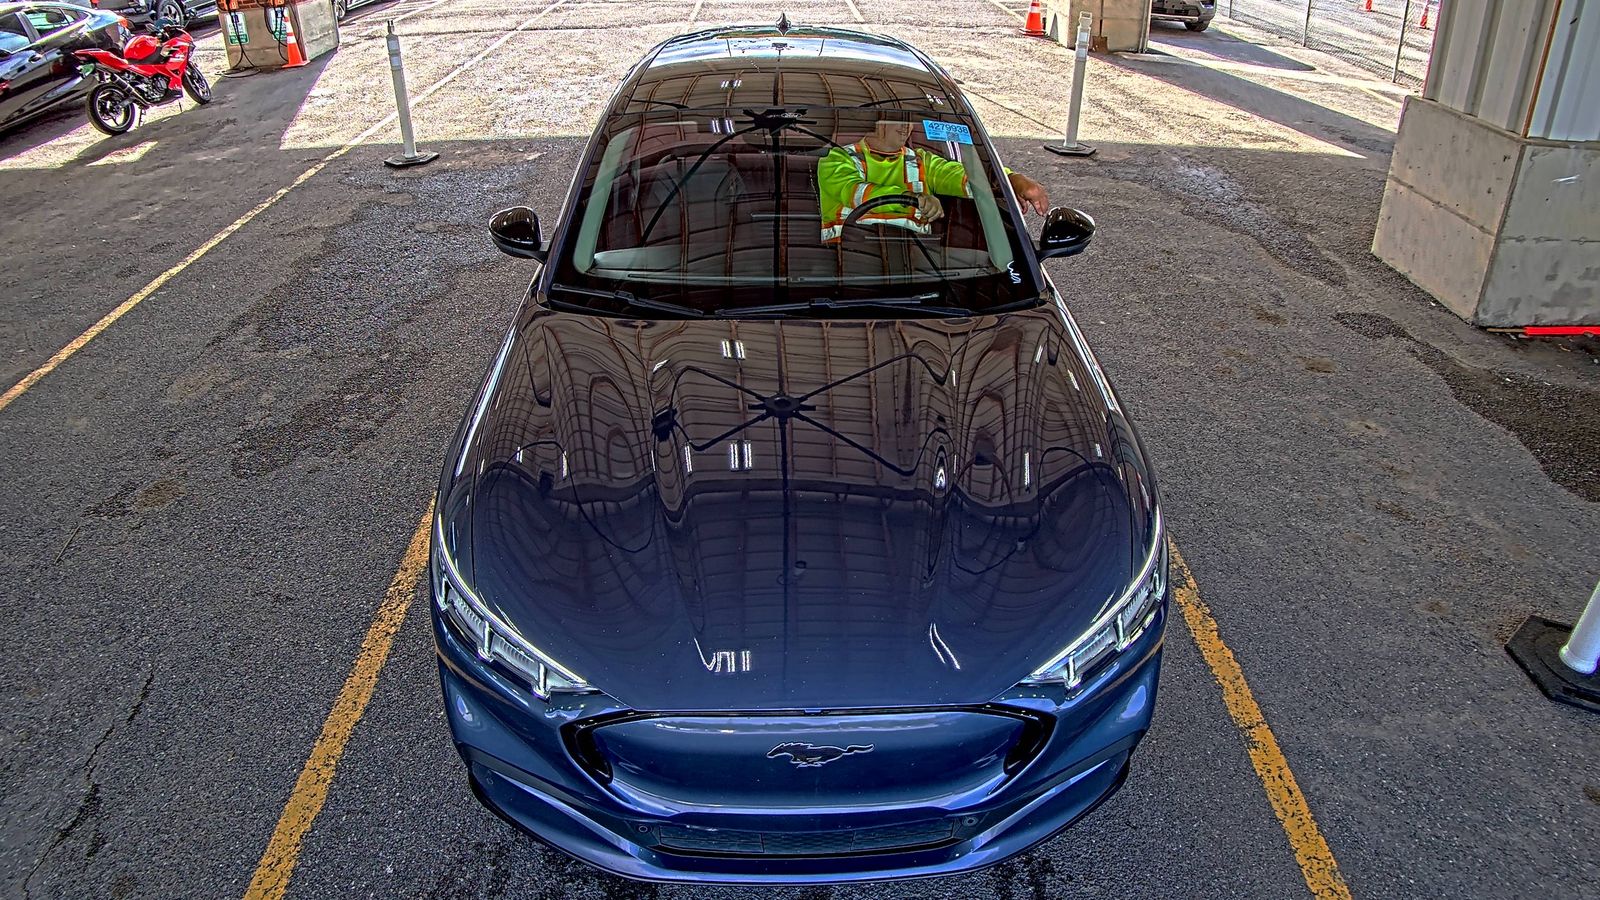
(516, 232)
(1066, 232)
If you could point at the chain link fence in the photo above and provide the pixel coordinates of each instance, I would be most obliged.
(1391, 38)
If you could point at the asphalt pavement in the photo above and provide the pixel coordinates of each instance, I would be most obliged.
(205, 505)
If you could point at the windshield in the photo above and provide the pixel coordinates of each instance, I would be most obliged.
(791, 210)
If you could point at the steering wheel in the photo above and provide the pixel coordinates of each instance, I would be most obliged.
(886, 200)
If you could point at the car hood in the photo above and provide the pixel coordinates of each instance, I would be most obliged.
(798, 514)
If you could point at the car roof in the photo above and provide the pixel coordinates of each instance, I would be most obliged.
(19, 7)
(784, 65)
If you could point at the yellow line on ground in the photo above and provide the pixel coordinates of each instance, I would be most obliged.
(271, 879)
(1316, 861)
(123, 308)
(110, 318)
(854, 11)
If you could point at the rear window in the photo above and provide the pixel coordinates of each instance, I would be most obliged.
(48, 19)
(720, 210)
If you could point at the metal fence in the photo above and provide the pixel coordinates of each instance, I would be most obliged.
(1392, 38)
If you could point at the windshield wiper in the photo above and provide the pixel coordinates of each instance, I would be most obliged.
(917, 302)
(1013, 306)
(629, 299)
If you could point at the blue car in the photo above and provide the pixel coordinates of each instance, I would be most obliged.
(795, 535)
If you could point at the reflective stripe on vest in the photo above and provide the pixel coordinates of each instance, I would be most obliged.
(914, 184)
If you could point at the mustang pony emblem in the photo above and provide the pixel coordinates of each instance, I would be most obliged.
(809, 756)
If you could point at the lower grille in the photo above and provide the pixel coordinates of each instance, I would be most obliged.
(719, 841)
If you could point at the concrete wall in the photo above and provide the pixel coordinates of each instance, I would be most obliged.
(1503, 230)
(1125, 24)
(1546, 269)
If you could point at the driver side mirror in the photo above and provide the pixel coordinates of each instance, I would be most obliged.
(516, 232)
(1067, 232)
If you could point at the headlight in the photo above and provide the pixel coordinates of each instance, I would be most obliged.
(1120, 625)
(491, 636)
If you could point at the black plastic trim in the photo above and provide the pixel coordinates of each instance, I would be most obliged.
(578, 737)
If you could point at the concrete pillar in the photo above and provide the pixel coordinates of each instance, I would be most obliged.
(1493, 199)
(1118, 24)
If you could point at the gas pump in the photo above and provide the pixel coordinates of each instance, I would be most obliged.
(276, 34)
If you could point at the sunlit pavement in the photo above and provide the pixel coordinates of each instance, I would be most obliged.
(206, 503)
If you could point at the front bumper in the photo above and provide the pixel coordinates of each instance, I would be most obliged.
(1180, 11)
(522, 763)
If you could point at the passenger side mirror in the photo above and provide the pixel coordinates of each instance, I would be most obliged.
(516, 233)
(1066, 232)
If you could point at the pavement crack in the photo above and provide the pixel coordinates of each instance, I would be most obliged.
(89, 805)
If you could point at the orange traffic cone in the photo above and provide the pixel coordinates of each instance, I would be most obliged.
(1424, 22)
(1034, 26)
(293, 57)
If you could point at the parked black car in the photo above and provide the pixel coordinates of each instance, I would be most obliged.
(143, 12)
(38, 70)
(1196, 15)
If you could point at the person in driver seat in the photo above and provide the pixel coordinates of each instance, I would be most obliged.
(881, 165)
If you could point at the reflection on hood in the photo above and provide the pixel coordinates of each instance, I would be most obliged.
(799, 514)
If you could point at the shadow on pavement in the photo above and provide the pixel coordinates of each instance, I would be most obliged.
(1294, 112)
(1222, 45)
(318, 358)
(278, 93)
(38, 132)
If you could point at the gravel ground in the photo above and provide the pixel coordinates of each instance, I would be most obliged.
(206, 504)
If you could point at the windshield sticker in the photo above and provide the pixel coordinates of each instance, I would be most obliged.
(946, 131)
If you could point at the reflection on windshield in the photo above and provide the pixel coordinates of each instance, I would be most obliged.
(722, 209)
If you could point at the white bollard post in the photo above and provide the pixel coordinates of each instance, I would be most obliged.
(1069, 145)
(1581, 652)
(409, 155)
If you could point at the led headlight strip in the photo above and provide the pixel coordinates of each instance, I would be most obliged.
(1119, 626)
(492, 637)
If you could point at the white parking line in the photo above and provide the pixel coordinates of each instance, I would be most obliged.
(160, 281)
(402, 17)
(1006, 9)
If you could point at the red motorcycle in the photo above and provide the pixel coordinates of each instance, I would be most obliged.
(152, 70)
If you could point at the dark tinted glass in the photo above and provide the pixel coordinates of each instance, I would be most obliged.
(713, 190)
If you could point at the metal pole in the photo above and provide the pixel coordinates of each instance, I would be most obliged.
(409, 155)
(1581, 652)
(1305, 32)
(1069, 145)
(1405, 18)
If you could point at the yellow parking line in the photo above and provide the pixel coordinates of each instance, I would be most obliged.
(123, 308)
(271, 879)
(855, 11)
(1316, 861)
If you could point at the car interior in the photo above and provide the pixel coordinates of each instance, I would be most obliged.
(712, 200)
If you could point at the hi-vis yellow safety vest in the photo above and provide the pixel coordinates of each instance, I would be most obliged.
(850, 176)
